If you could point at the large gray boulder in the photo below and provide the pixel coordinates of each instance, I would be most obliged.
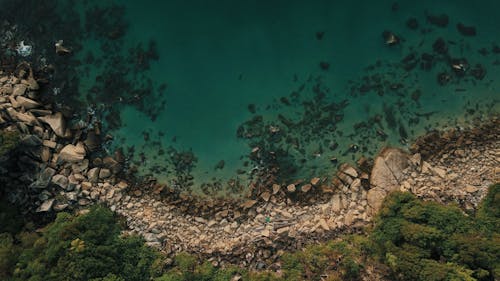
(386, 175)
(72, 153)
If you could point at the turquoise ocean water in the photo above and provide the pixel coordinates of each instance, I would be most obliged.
(218, 57)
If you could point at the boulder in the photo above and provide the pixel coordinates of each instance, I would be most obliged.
(44, 178)
(104, 173)
(86, 185)
(93, 174)
(19, 90)
(92, 141)
(349, 170)
(31, 140)
(49, 144)
(111, 164)
(336, 204)
(56, 123)
(375, 197)
(61, 181)
(60, 206)
(71, 196)
(388, 169)
(26, 103)
(121, 185)
(276, 188)
(151, 237)
(45, 154)
(306, 187)
(248, 204)
(324, 225)
(46, 206)
(386, 175)
(83, 202)
(471, 189)
(27, 118)
(72, 153)
(80, 166)
(266, 196)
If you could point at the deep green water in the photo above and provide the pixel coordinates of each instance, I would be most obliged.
(217, 57)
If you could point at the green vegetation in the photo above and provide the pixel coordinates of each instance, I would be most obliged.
(411, 240)
(428, 241)
(84, 247)
(8, 141)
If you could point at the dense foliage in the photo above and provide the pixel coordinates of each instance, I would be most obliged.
(428, 241)
(82, 247)
(411, 240)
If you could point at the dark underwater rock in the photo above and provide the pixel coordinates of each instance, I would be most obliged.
(441, 20)
(440, 46)
(220, 165)
(320, 34)
(478, 72)
(443, 78)
(466, 30)
(412, 23)
(251, 108)
(324, 65)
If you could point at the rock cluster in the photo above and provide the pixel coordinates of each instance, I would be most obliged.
(52, 160)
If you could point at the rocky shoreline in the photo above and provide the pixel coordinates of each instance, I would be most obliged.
(56, 168)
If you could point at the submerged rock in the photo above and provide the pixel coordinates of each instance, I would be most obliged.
(439, 46)
(412, 23)
(466, 30)
(441, 20)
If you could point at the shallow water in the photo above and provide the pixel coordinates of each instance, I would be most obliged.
(217, 57)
